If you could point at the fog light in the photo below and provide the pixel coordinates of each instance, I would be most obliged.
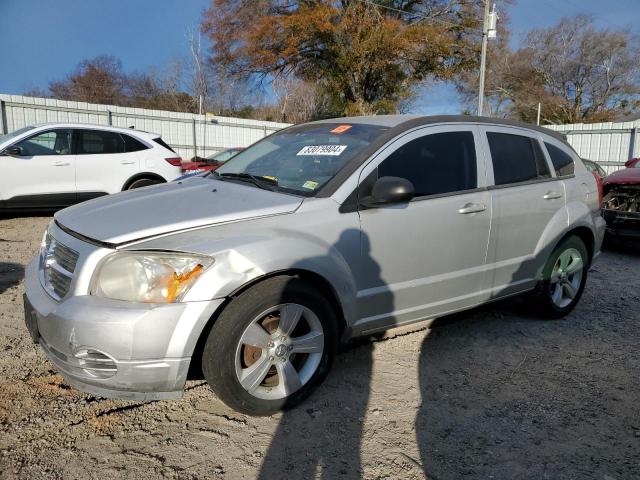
(96, 363)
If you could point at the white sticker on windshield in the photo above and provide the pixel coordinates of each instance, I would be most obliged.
(322, 150)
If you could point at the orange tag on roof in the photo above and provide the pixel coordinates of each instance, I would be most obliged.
(341, 129)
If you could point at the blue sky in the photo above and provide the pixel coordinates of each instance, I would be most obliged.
(43, 40)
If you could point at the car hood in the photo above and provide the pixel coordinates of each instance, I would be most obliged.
(171, 207)
(624, 176)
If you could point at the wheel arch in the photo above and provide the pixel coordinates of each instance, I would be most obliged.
(583, 233)
(313, 278)
(142, 176)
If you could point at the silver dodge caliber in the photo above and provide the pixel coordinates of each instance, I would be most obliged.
(253, 274)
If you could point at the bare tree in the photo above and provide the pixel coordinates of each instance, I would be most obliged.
(577, 73)
(198, 77)
(97, 80)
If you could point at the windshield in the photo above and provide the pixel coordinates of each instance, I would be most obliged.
(224, 155)
(301, 160)
(14, 134)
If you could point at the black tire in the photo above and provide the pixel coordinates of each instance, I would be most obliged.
(143, 182)
(545, 305)
(219, 353)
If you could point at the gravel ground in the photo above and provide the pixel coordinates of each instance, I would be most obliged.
(490, 393)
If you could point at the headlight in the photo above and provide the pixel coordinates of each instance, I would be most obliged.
(152, 277)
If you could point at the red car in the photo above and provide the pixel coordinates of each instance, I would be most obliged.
(621, 202)
(199, 164)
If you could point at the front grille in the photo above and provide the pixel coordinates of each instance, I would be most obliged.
(58, 263)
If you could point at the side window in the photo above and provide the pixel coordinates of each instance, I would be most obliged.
(131, 144)
(562, 161)
(92, 142)
(53, 142)
(435, 164)
(516, 158)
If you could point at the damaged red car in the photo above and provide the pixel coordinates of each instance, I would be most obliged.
(621, 202)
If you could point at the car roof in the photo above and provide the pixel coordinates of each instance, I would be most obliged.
(93, 126)
(411, 121)
(397, 125)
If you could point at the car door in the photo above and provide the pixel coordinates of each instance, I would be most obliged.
(103, 165)
(526, 198)
(429, 254)
(43, 175)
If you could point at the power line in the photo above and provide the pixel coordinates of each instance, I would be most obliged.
(416, 14)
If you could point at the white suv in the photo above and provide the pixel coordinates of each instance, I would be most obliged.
(58, 164)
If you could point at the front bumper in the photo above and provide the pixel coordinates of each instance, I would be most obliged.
(622, 224)
(116, 349)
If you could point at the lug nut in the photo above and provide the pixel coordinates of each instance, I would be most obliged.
(283, 338)
(270, 344)
(271, 358)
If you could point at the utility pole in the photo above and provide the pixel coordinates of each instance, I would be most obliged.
(488, 31)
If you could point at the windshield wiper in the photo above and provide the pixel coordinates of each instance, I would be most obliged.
(265, 183)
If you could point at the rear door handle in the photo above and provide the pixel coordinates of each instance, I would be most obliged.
(472, 208)
(552, 195)
(126, 163)
(61, 164)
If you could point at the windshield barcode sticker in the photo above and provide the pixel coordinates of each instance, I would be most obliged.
(322, 150)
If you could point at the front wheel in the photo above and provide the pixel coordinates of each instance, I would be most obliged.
(564, 278)
(270, 346)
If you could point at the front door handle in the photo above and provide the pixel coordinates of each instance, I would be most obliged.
(472, 208)
(552, 195)
(126, 163)
(62, 164)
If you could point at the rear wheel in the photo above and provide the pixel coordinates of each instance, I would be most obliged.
(270, 346)
(564, 278)
(143, 182)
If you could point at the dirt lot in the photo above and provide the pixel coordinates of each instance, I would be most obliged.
(490, 393)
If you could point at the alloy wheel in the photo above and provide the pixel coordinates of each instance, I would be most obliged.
(566, 277)
(279, 351)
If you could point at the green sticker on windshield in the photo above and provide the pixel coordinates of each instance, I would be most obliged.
(310, 184)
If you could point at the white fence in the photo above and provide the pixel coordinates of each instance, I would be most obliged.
(610, 144)
(189, 134)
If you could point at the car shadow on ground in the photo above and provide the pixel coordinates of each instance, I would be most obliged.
(502, 394)
(330, 444)
(626, 246)
(10, 275)
(9, 214)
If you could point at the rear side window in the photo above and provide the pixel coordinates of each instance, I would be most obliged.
(516, 158)
(95, 142)
(159, 141)
(562, 161)
(131, 144)
(435, 164)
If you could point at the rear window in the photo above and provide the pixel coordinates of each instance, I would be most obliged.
(96, 142)
(516, 158)
(562, 161)
(161, 142)
(132, 145)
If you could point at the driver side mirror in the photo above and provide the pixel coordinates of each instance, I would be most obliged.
(13, 151)
(389, 191)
